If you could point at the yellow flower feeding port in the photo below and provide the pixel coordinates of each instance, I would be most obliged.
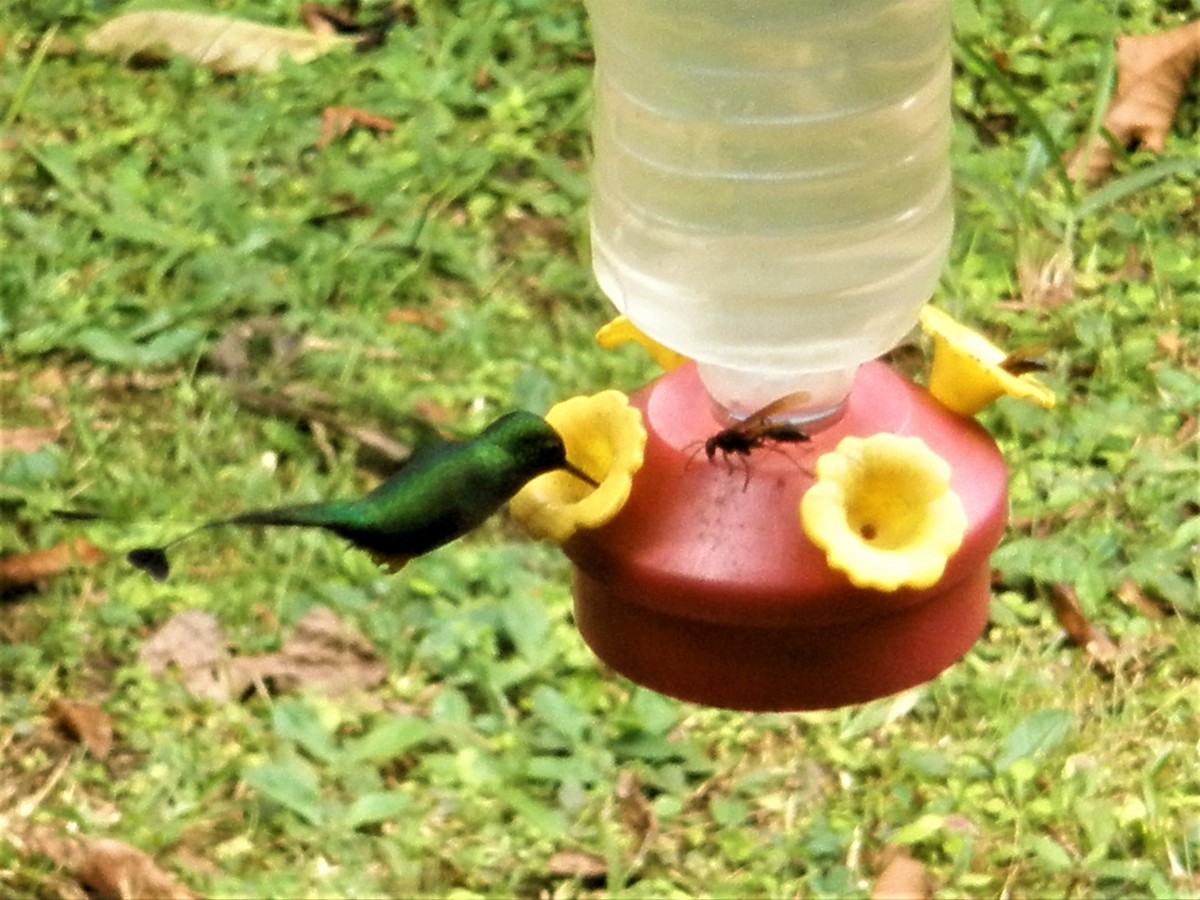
(605, 438)
(883, 512)
(969, 371)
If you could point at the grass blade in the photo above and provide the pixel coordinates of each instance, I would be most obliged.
(1120, 188)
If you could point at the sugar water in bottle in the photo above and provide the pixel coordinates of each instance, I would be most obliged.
(771, 182)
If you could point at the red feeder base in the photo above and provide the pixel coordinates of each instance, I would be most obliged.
(706, 588)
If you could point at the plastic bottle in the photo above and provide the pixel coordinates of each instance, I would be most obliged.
(771, 182)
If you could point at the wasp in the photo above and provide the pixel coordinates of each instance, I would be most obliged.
(757, 430)
(1025, 361)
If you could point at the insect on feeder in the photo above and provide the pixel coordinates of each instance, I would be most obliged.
(771, 199)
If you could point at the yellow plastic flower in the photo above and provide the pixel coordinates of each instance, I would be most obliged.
(622, 331)
(605, 438)
(967, 373)
(883, 512)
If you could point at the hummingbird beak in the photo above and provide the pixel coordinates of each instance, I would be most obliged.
(580, 474)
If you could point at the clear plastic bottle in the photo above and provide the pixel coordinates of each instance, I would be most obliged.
(771, 182)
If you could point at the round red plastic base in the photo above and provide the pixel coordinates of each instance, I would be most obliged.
(705, 587)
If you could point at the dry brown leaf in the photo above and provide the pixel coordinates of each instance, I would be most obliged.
(1188, 431)
(429, 319)
(323, 654)
(903, 878)
(104, 867)
(1045, 282)
(636, 815)
(28, 569)
(115, 869)
(215, 42)
(577, 864)
(369, 35)
(321, 19)
(1152, 73)
(56, 844)
(1099, 646)
(1131, 594)
(27, 440)
(83, 722)
(1169, 344)
(336, 121)
(193, 642)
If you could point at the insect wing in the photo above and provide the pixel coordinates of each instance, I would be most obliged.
(760, 420)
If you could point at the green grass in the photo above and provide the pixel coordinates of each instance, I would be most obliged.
(145, 212)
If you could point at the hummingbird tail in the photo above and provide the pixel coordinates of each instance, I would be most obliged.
(313, 515)
(152, 561)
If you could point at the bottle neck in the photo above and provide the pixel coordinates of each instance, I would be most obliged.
(739, 393)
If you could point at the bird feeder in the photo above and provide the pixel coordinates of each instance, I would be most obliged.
(771, 200)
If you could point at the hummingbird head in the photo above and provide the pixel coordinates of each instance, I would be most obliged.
(534, 445)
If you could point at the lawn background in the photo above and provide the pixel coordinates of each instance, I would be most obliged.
(152, 218)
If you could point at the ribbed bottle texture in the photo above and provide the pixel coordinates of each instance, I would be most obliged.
(771, 181)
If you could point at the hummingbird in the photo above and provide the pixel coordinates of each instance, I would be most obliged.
(441, 492)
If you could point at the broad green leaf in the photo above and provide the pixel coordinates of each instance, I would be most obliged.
(296, 721)
(562, 769)
(526, 622)
(547, 820)
(293, 785)
(559, 713)
(370, 809)
(654, 713)
(1050, 854)
(1035, 735)
(167, 347)
(920, 829)
(390, 739)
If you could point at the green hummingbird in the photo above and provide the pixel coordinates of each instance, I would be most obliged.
(441, 492)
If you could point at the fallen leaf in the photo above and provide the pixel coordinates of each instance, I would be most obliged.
(83, 722)
(258, 343)
(1152, 73)
(28, 569)
(1188, 431)
(56, 844)
(903, 878)
(1131, 594)
(1046, 282)
(115, 869)
(1099, 646)
(323, 19)
(323, 654)
(337, 121)
(103, 866)
(216, 42)
(27, 440)
(1169, 344)
(636, 815)
(577, 864)
(429, 319)
(1133, 269)
(192, 642)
